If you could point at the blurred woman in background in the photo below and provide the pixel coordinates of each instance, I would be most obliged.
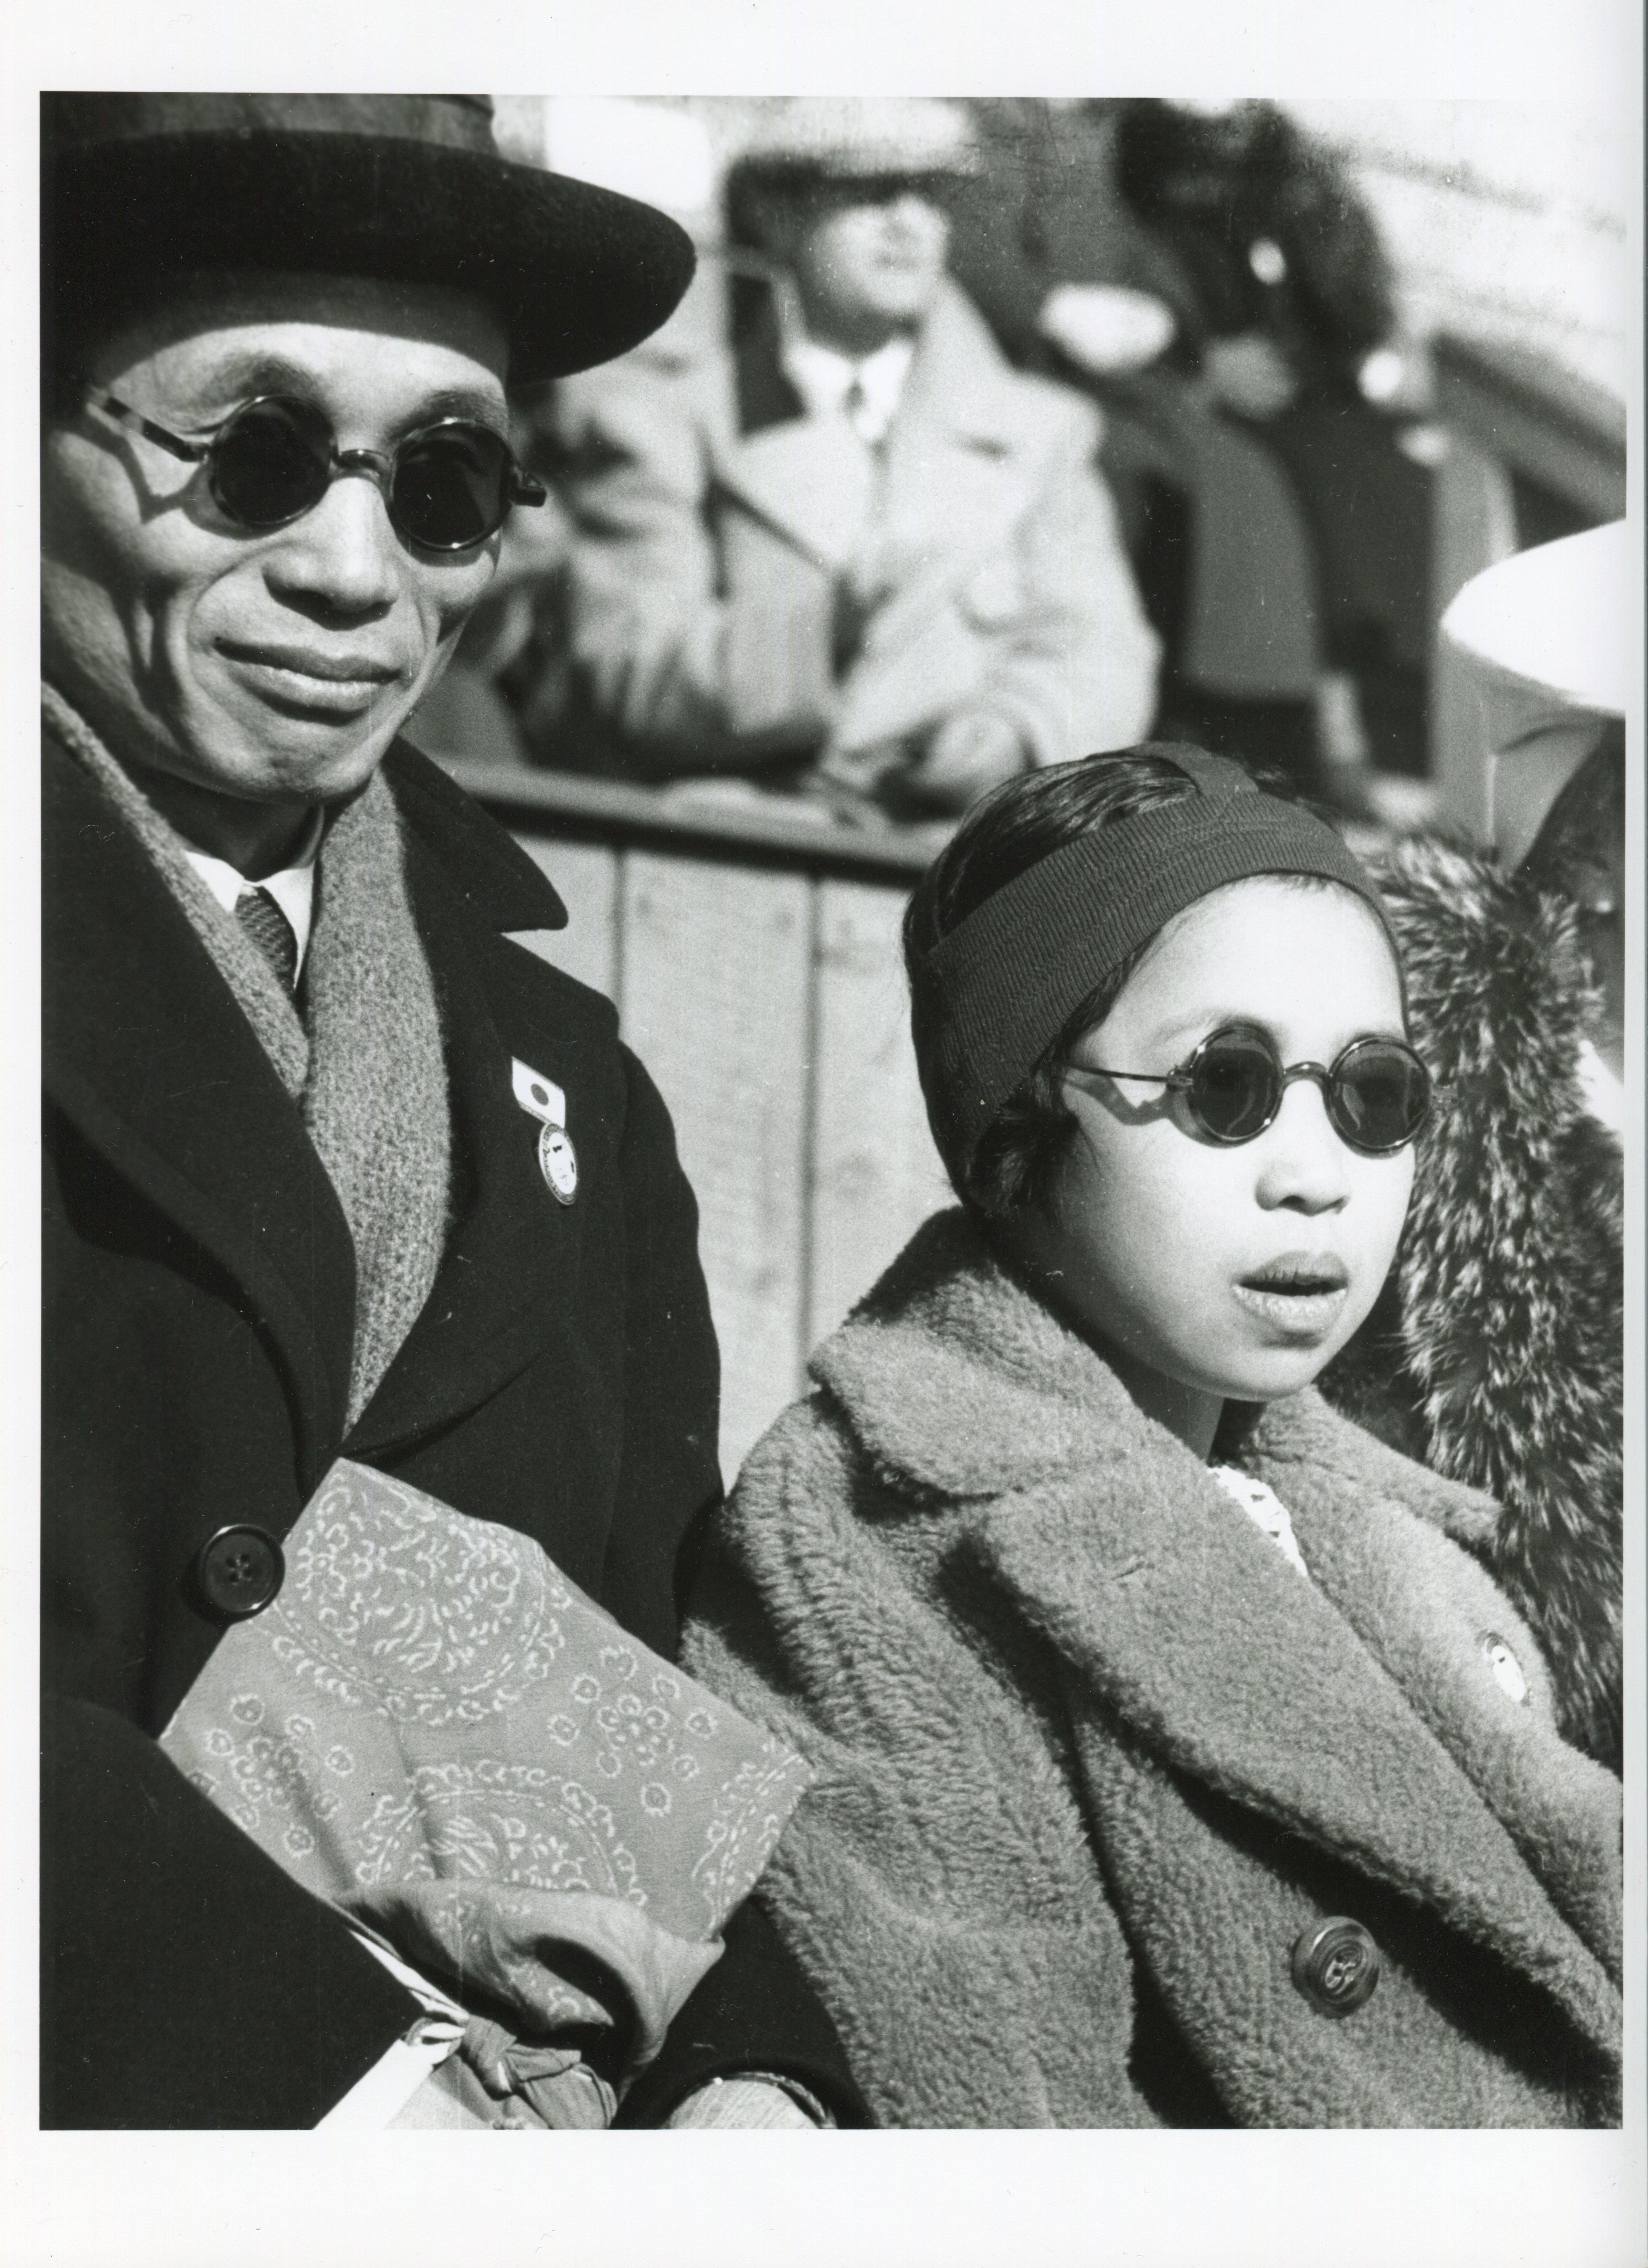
(1278, 526)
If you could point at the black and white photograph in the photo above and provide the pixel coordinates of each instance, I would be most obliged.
(839, 1282)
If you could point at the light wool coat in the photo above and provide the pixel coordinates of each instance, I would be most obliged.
(715, 538)
(1094, 1755)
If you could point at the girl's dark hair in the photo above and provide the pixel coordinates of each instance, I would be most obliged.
(1012, 829)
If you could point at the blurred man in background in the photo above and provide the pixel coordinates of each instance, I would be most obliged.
(842, 547)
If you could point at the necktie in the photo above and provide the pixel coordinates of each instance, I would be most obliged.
(855, 409)
(268, 929)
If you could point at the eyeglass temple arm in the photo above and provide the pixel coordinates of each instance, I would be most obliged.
(1174, 1078)
(1180, 1079)
(193, 452)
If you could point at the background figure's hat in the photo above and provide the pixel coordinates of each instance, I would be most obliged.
(139, 189)
(1547, 634)
(1263, 221)
(860, 138)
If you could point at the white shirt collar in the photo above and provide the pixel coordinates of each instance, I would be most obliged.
(292, 889)
(824, 377)
(1266, 1510)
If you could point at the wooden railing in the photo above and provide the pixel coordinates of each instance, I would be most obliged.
(753, 954)
(1537, 419)
(751, 945)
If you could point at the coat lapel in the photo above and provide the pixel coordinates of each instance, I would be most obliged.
(950, 473)
(1429, 1615)
(1187, 1623)
(495, 1301)
(147, 1052)
(955, 478)
(809, 482)
(1170, 1611)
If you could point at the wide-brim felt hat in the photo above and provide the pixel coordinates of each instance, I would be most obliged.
(1547, 633)
(141, 188)
(850, 139)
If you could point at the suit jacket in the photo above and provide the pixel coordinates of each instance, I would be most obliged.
(716, 526)
(199, 1307)
(1094, 1759)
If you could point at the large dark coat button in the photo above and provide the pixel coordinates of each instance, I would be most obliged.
(1335, 1965)
(238, 1572)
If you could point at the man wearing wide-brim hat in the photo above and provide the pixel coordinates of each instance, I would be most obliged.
(844, 547)
(334, 1167)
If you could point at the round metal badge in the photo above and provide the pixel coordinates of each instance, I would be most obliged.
(557, 1161)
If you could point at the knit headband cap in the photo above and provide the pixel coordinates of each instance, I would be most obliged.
(1006, 980)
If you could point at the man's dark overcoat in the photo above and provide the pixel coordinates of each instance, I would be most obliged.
(199, 1306)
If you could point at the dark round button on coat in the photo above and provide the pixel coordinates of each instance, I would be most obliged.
(238, 1571)
(1335, 1965)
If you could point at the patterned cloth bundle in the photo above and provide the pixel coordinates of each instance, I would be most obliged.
(435, 1730)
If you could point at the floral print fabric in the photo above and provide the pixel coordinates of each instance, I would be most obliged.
(430, 1720)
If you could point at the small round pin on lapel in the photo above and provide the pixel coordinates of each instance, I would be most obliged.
(557, 1161)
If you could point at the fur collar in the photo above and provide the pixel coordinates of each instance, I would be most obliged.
(1496, 1353)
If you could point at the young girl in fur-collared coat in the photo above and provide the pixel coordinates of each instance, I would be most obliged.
(1177, 1764)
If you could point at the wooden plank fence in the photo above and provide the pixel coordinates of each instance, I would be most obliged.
(753, 953)
(755, 969)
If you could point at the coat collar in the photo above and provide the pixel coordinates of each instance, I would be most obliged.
(958, 384)
(147, 1052)
(959, 422)
(484, 866)
(1338, 1708)
(499, 1289)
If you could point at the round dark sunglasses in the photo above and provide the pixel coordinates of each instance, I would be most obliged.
(446, 487)
(1377, 1092)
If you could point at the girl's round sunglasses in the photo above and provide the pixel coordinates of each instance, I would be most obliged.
(1377, 1092)
(447, 486)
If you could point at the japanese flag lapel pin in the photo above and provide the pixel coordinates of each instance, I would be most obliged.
(542, 1100)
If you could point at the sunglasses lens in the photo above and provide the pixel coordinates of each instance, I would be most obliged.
(271, 462)
(1236, 1087)
(1379, 1096)
(449, 487)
